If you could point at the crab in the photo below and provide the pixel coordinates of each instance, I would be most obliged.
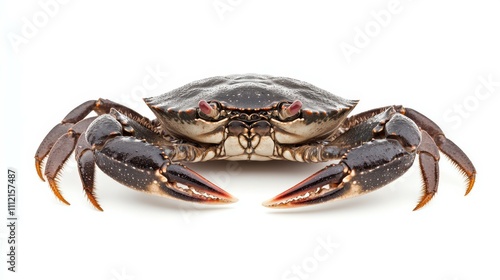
(248, 117)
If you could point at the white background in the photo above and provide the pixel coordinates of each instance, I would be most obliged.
(426, 55)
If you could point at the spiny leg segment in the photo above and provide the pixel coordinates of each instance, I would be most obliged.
(445, 145)
(60, 142)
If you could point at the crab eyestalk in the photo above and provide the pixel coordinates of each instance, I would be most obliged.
(209, 110)
(288, 111)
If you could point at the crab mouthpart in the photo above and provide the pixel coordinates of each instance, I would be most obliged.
(317, 188)
(185, 184)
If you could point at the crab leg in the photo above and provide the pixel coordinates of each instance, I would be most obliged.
(450, 149)
(100, 106)
(86, 169)
(47, 144)
(59, 153)
(60, 142)
(428, 155)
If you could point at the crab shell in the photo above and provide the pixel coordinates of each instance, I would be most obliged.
(321, 114)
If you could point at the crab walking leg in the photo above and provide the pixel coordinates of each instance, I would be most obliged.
(100, 106)
(428, 155)
(84, 157)
(59, 153)
(47, 143)
(450, 149)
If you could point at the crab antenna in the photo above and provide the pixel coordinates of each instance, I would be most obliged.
(207, 109)
(291, 110)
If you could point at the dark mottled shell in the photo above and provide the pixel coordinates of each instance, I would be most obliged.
(248, 92)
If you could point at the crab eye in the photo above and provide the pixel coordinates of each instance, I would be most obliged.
(288, 111)
(208, 111)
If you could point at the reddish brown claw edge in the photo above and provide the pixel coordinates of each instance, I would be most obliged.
(316, 188)
(193, 187)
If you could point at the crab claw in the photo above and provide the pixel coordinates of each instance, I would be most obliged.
(317, 188)
(362, 170)
(185, 184)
